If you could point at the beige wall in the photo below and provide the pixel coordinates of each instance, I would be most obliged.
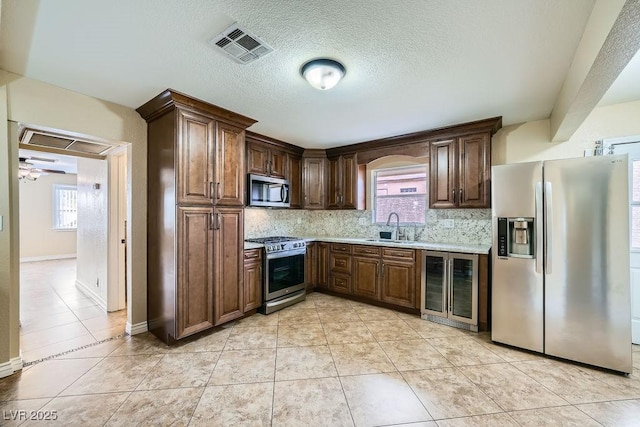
(531, 141)
(38, 239)
(9, 292)
(37, 103)
(93, 228)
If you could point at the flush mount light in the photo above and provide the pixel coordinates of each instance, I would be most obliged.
(323, 73)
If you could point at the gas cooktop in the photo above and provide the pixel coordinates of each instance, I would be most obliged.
(279, 243)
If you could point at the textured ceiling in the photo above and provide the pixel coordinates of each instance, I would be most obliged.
(411, 64)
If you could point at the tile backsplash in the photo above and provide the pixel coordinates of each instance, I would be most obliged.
(470, 226)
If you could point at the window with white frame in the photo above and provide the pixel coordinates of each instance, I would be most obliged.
(65, 207)
(402, 190)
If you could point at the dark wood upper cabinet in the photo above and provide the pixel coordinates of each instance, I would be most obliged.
(267, 156)
(346, 183)
(442, 182)
(257, 158)
(475, 171)
(196, 138)
(314, 180)
(294, 175)
(271, 157)
(460, 171)
(230, 179)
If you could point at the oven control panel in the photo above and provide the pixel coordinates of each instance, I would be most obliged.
(283, 247)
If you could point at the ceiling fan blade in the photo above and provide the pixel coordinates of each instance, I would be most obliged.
(52, 171)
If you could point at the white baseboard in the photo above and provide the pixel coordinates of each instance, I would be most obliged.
(136, 329)
(91, 294)
(8, 368)
(46, 257)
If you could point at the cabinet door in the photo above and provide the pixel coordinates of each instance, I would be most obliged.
(294, 175)
(442, 174)
(228, 264)
(463, 288)
(257, 158)
(229, 171)
(335, 180)
(195, 158)
(398, 283)
(434, 291)
(323, 265)
(474, 171)
(365, 277)
(195, 276)
(314, 183)
(311, 266)
(252, 295)
(278, 164)
(349, 187)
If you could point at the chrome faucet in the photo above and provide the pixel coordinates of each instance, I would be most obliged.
(397, 224)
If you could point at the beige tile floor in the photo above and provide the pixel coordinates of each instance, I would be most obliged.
(317, 365)
(55, 316)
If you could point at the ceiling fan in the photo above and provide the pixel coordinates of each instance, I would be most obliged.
(27, 170)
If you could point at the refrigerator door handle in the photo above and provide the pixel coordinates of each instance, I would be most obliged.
(548, 244)
(539, 230)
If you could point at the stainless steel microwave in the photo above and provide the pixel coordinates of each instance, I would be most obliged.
(267, 191)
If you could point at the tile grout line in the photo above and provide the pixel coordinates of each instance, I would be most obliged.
(93, 344)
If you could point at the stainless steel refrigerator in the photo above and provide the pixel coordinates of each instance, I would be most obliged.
(561, 279)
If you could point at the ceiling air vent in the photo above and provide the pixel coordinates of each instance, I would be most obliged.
(62, 142)
(240, 44)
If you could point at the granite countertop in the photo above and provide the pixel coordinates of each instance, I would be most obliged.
(433, 246)
(251, 245)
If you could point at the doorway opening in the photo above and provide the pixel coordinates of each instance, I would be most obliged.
(631, 146)
(72, 279)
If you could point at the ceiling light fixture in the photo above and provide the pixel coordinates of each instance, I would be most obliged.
(323, 73)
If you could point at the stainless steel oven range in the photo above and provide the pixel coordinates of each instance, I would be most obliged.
(283, 269)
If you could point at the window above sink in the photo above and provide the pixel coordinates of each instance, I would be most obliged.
(402, 190)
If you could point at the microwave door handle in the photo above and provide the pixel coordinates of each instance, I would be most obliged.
(284, 193)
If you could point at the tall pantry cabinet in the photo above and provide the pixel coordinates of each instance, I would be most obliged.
(195, 236)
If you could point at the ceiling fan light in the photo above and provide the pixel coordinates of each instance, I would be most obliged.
(323, 73)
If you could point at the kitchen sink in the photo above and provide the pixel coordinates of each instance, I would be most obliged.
(404, 242)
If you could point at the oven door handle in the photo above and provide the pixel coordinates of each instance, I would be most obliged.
(286, 254)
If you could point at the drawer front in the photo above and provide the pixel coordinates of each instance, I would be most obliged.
(340, 263)
(399, 253)
(341, 247)
(253, 254)
(340, 283)
(373, 251)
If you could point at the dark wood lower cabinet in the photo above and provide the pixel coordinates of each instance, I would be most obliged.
(340, 283)
(366, 277)
(323, 265)
(311, 266)
(398, 283)
(383, 275)
(252, 279)
(195, 276)
(228, 264)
